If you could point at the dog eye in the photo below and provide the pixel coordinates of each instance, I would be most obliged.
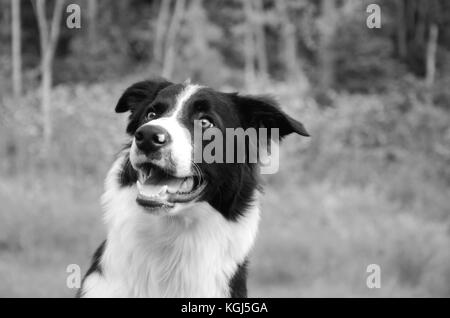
(206, 122)
(150, 116)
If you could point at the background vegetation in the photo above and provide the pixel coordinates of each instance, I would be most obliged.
(372, 184)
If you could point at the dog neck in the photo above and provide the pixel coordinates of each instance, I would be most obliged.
(194, 253)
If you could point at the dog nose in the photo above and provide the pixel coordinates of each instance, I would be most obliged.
(151, 138)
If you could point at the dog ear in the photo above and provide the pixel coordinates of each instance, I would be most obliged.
(263, 111)
(138, 92)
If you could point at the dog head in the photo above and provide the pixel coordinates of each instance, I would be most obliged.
(164, 118)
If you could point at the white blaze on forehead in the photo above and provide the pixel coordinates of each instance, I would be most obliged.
(181, 147)
(187, 92)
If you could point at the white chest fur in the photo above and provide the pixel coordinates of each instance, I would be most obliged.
(191, 254)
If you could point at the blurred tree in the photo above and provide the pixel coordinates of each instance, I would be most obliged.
(172, 32)
(258, 23)
(431, 61)
(327, 27)
(92, 9)
(16, 50)
(198, 36)
(161, 26)
(401, 29)
(417, 22)
(119, 9)
(364, 59)
(48, 40)
(422, 41)
(288, 41)
(249, 48)
(431, 55)
(248, 40)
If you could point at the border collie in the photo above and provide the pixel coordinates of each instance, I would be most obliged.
(177, 228)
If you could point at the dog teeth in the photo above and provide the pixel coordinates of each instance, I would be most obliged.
(187, 185)
(163, 190)
(144, 175)
(147, 174)
(145, 190)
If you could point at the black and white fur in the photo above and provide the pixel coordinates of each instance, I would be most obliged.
(192, 249)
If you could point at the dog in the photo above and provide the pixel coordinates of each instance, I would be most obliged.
(177, 228)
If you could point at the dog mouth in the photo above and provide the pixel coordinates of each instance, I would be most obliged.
(159, 189)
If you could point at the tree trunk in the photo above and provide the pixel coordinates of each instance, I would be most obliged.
(16, 50)
(249, 46)
(92, 20)
(259, 25)
(422, 13)
(289, 43)
(328, 24)
(401, 30)
(46, 87)
(169, 57)
(161, 26)
(48, 40)
(120, 9)
(431, 60)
